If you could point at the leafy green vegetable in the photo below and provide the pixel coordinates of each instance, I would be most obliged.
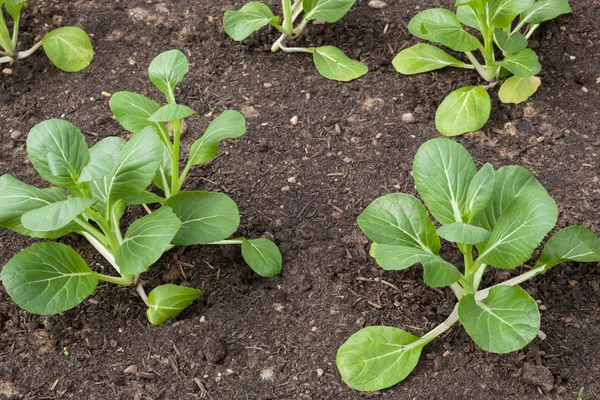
(497, 219)
(330, 61)
(468, 109)
(68, 48)
(167, 301)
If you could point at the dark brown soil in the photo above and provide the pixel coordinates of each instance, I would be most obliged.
(251, 338)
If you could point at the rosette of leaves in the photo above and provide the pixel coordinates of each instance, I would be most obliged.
(499, 30)
(497, 219)
(207, 217)
(69, 48)
(330, 61)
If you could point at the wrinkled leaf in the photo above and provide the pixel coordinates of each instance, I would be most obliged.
(464, 110)
(228, 125)
(458, 232)
(326, 10)
(399, 219)
(518, 89)
(442, 170)
(167, 70)
(55, 216)
(167, 301)
(69, 48)
(423, 58)
(206, 217)
(378, 357)
(507, 320)
(48, 278)
(250, 18)
(262, 256)
(332, 63)
(573, 243)
(146, 240)
(524, 63)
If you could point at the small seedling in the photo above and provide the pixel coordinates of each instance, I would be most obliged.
(69, 48)
(49, 277)
(496, 218)
(330, 61)
(467, 109)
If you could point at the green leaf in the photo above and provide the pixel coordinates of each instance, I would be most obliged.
(229, 125)
(464, 110)
(14, 8)
(206, 217)
(573, 243)
(143, 197)
(442, 170)
(58, 151)
(466, 15)
(171, 112)
(517, 89)
(103, 157)
(501, 13)
(458, 232)
(18, 198)
(423, 58)
(326, 10)
(519, 230)
(507, 320)
(133, 171)
(262, 256)
(5, 42)
(250, 18)
(55, 216)
(378, 357)
(510, 43)
(399, 219)
(69, 48)
(545, 10)
(133, 112)
(432, 16)
(436, 271)
(333, 64)
(167, 301)
(481, 191)
(164, 167)
(146, 240)
(452, 36)
(509, 183)
(167, 70)
(524, 63)
(48, 278)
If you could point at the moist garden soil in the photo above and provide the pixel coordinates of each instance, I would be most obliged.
(302, 186)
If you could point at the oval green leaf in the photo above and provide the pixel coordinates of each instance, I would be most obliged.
(399, 219)
(458, 232)
(333, 64)
(481, 191)
(69, 48)
(56, 215)
(206, 217)
(510, 43)
(133, 111)
(167, 70)
(423, 58)
(250, 18)
(14, 7)
(501, 13)
(378, 357)
(262, 256)
(48, 278)
(464, 110)
(326, 10)
(545, 10)
(573, 243)
(524, 63)
(229, 125)
(433, 16)
(167, 301)
(466, 15)
(146, 241)
(507, 320)
(171, 112)
(517, 89)
(103, 157)
(443, 170)
(452, 36)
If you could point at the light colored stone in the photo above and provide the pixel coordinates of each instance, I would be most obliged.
(294, 120)
(250, 112)
(377, 4)
(131, 370)
(408, 118)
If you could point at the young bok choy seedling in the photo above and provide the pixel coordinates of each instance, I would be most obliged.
(497, 219)
(330, 61)
(68, 48)
(504, 27)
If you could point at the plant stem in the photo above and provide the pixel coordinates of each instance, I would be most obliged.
(165, 182)
(7, 59)
(294, 11)
(229, 241)
(140, 289)
(175, 157)
(437, 331)
(102, 250)
(482, 294)
(532, 29)
(27, 53)
(483, 71)
(123, 280)
(458, 290)
(288, 23)
(15, 35)
(295, 49)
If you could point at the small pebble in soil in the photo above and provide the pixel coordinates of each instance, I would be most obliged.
(106, 95)
(267, 85)
(528, 111)
(292, 179)
(408, 118)
(377, 4)
(294, 120)
(15, 134)
(541, 335)
(320, 372)
(510, 128)
(524, 125)
(538, 375)
(7, 71)
(285, 189)
(131, 370)
(267, 374)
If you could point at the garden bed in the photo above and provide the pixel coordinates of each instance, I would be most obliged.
(303, 187)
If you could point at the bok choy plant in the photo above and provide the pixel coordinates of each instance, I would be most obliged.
(207, 217)
(68, 48)
(503, 45)
(496, 219)
(330, 61)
